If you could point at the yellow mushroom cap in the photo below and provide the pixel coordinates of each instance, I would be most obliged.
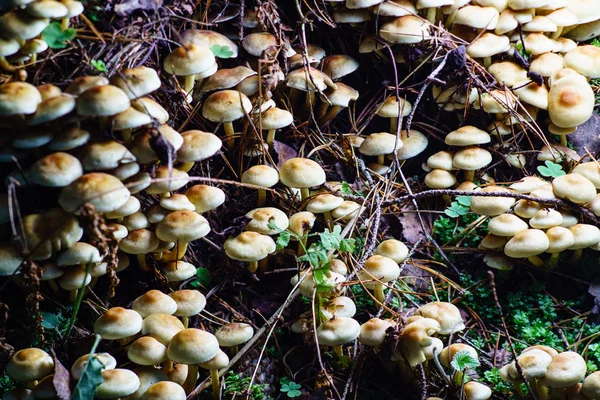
(414, 338)
(373, 332)
(477, 391)
(393, 249)
(154, 302)
(189, 60)
(527, 243)
(446, 314)
(448, 353)
(234, 334)
(105, 192)
(585, 235)
(566, 369)
(406, 30)
(189, 302)
(378, 269)
(570, 102)
(338, 331)
(492, 205)
(118, 323)
(164, 390)
(574, 187)
(534, 364)
(440, 179)
(546, 218)
(162, 327)
(117, 383)
(78, 366)
(560, 239)
(193, 346)
(249, 246)
(262, 218)
(183, 226)
(217, 362)
(147, 351)
(591, 385)
(301, 173)
(30, 364)
(226, 106)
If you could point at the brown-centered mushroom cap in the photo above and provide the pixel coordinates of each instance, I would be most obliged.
(189, 60)
(301, 173)
(249, 246)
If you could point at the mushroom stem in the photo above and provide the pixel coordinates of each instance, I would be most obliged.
(304, 194)
(309, 102)
(216, 383)
(127, 137)
(338, 350)
(190, 380)
(381, 159)
(450, 19)
(469, 176)
(294, 94)
(487, 61)
(577, 255)
(93, 282)
(378, 292)
(262, 266)
(229, 134)
(188, 84)
(331, 113)
(262, 197)
(393, 125)
(5, 65)
(186, 166)
(235, 349)
(563, 140)
(253, 266)
(32, 384)
(553, 261)
(431, 12)
(542, 391)
(559, 31)
(33, 59)
(176, 254)
(186, 321)
(271, 136)
(458, 378)
(64, 23)
(328, 220)
(167, 366)
(53, 286)
(519, 391)
(447, 199)
(141, 259)
(73, 294)
(535, 260)
(322, 110)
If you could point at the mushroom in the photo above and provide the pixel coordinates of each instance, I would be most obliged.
(394, 249)
(147, 351)
(373, 332)
(162, 327)
(379, 270)
(476, 391)
(214, 365)
(446, 314)
(164, 390)
(301, 173)
(108, 362)
(565, 369)
(197, 146)
(29, 365)
(105, 192)
(181, 227)
(117, 383)
(413, 340)
(249, 247)
(205, 198)
(226, 106)
(528, 244)
(188, 61)
(154, 302)
(507, 225)
(80, 255)
(263, 176)
(118, 323)
(380, 144)
(189, 303)
(338, 331)
(234, 334)
(275, 118)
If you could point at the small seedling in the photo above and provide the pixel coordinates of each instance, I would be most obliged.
(221, 51)
(99, 65)
(458, 207)
(291, 388)
(204, 278)
(551, 170)
(91, 377)
(55, 37)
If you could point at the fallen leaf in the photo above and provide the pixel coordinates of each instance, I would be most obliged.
(61, 380)
(411, 227)
(284, 152)
(587, 136)
(594, 290)
(129, 6)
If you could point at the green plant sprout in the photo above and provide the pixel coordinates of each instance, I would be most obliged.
(99, 65)
(91, 377)
(458, 207)
(221, 51)
(56, 37)
(551, 170)
(290, 388)
(462, 361)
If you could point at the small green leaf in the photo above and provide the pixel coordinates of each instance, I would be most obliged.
(99, 65)
(595, 42)
(455, 209)
(283, 240)
(91, 377)
(221, 51)
(55, 37)
(331, 240)
(551, 170)
(463, 360)
(451, 213)
(204, 278)
(347, 245)
(464, 200)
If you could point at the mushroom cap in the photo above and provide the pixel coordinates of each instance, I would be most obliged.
(193, 346)
(373, 332)
(528, 184)
(30, 364)
(527, 243)
(177, 271)
(471, 158)
(546, 218)
(52, 109)
(309, 80)
(276, 118)
(74, 278)
(189, 60)
(498, 262)
(164, 390)
(570, 102)
(506, 225)
(18, 98)
(477, 17)
(534, 364)
(79, 253)
(507, 72)
(448, 353)
(324, 202)
(446, 314)
(105, 192)
(208, 39)
(393, 249)
(301, 223)
(339, 65)
(102, 101)
(585, 60)
(154, 302)
(217, 362)
(532, 93)
(198, 145)
(148, 106)
(68, 138)
(440, 179)
(139, 241)
(574, 187)
(341, 96)
(256, 43)
(340, 306)
(346, 211)
(117, 383)
(378, 269)
(234, 334)
(249, 246)
(226, 106)
(118, 323)
(142, 147)
(589, 170)
(78, 366)
(477, 391)
(379, 144)
(261, 175)
(547, 64)
(338, 331)
(130, 119)
(182, 226)
(492, 205)
(591, 385)
(393, 8)
(412, 144)
(441, 160)
(414, 338)
(21, 25)
(226, 78)
(560, 239)
(392, 108)
(189, 302)
(137, 82)
(301, 173)
(55, 170)
(147, 351)
(488, 45)
(177, 202)
(261, 218)
(585, 235)
(162, 327)
(168, 180)
(205, 198)
(566, 369)
(101, 156)
(408, 29)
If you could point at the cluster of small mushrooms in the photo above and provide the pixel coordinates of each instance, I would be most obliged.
(105, 144)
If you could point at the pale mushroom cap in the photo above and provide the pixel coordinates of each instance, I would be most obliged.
(217, 362)
(574, 187)
(547, 64)
(148, 106)
(177, 202)
(105, 192)
(106, 359)
(446, 314)
(392, 108)
(589, 170)
(79, 253)
(301, 222)
(249, 246)
(162, 327)
(20, 25)
(52, 109)
(532, 93)
(102, 101)
(261, 175)
(276, 118)
(198, 145)
(55, 170)
(591, 385)
(118, 323)
(189, 60)
(154, 302)
(406, 30)
(440, 179)
(136, 82)
(170, 180)
(226, 106)
(448, 353)
(234, 334)
(546, 218)
(309, 80)
(342, 95)
(117, 383)
(189, 302)
(346, 211)
(340, 306)
(560, 239)
(498, 262)
(68, 139)
(324, 202)
(106, 155)
(506, 225)
(130, 119)
(566, 369)
(379, 269)
(147, 351)
(471, 158)
(393, 249)
(493, 242)
(534, 363)
(205, 198)
(441, 160)
(183, 226)
(74, 278)
(29, 365)
(412, 144)
(507, 72)
(261, 218)
(414, 338)
(477, 391)
(139, 241)
(227, 78)
(570, 102)
(585, 235)
(528, 184)
(372, 332)
(164, 390)
(585, 60)
(301, 173)
(256, 43)
(177, 271)
(339, 65)
(477, 17)
(130, 207)
(193, 346)
(18, 98)
(492, 205)
(379, 144)
(488, 45)
(394, 8)
(338, 331)
(206, 38)
(527, 243)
